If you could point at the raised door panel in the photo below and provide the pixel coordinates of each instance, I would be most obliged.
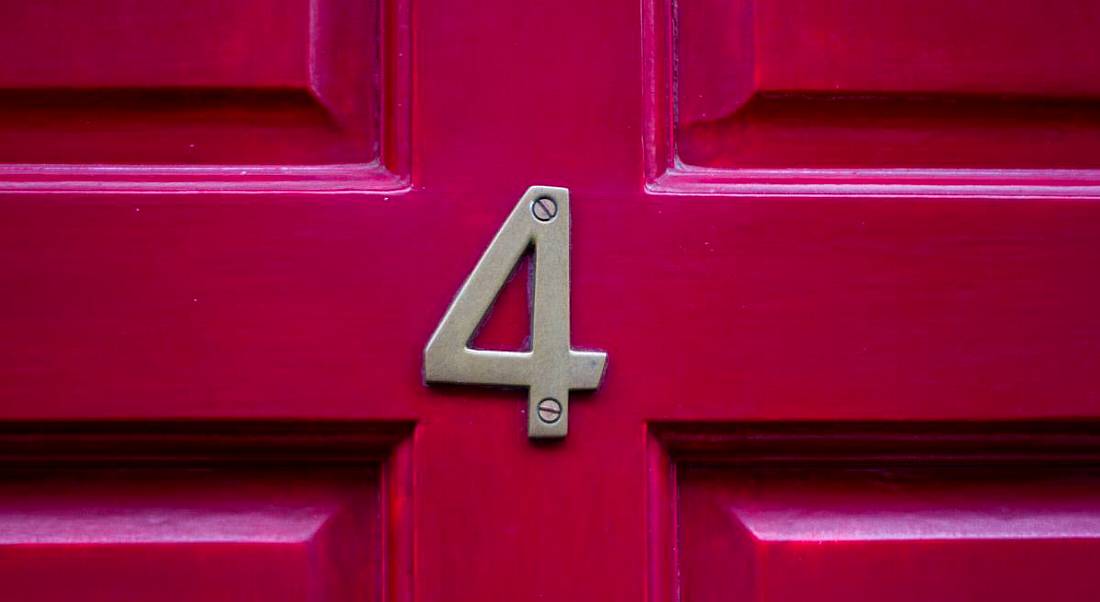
(888, 532)
(121, 91)
(886, 511)
(241, 511)
(862, 84)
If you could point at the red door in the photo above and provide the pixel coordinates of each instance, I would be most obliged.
(842, 257)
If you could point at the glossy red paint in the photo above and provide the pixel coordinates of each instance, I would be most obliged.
(899, 279)
(771, 83)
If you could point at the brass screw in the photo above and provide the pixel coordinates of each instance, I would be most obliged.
(549, 410)
(544, 209)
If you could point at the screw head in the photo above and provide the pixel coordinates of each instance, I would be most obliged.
(544, 208)
(549, 410)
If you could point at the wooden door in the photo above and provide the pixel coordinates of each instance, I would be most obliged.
(842, 257)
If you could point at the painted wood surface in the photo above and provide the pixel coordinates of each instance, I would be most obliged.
(892, 254)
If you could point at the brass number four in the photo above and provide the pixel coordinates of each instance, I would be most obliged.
(551, 368)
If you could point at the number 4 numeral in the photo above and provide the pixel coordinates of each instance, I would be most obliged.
(551, 368)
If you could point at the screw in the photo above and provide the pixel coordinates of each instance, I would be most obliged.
(549, 410)
(544, 209)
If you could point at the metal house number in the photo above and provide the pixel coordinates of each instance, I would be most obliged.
(551, 368)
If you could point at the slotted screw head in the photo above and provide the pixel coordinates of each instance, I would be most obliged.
(544, 208)
(549, 410)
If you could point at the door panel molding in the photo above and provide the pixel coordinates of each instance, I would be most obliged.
(255, 96)
(875, 491)
(855, 107)
(257, 494)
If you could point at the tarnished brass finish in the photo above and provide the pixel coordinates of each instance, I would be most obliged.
(551, 368)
